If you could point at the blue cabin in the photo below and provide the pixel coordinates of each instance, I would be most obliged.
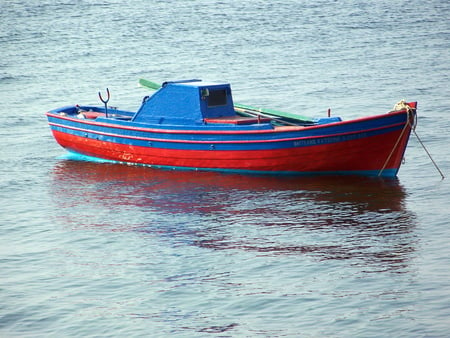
(187, 102)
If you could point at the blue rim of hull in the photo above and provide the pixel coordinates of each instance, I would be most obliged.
(299, 138)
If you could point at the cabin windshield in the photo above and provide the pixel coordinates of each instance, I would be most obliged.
(217, 98)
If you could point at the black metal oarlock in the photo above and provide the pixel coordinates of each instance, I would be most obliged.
(105, 101)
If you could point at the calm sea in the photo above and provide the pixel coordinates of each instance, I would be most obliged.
(104, 250)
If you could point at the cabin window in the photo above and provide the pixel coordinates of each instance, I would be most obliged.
(217, 98)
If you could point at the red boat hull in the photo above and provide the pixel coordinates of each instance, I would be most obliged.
(375, 155)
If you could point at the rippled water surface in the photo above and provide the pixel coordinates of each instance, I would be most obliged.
(99, 249)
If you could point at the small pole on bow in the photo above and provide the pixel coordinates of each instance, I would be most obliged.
(105, 101)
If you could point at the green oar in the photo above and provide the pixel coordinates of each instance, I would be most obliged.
(149, 84)
(271, 112)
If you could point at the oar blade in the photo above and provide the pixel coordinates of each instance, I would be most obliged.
(149, 84)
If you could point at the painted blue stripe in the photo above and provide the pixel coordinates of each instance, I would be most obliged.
(225, 133)
(216, 144)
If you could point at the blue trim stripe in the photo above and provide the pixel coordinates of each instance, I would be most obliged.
(231, 138)
(262, 131)
(219, 144)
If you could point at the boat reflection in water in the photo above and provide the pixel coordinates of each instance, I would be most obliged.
(357, 218)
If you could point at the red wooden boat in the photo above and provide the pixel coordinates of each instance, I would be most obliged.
(196, 125)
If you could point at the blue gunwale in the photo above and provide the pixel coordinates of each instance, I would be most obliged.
(264, 129)
(389, 128)
(290, 140)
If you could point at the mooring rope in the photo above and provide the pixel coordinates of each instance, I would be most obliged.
(413, 128)
(408, 111)
(401, 106)
(428, 153)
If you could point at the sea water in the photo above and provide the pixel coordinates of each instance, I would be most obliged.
(108, 250)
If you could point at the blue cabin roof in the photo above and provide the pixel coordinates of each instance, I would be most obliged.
(187, 102)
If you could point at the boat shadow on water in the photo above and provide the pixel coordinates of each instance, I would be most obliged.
(327, 217)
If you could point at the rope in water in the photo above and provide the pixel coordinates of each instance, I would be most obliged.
(429, 155)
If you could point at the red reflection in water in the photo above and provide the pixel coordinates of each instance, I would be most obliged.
(238, 212)
(105, 184)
